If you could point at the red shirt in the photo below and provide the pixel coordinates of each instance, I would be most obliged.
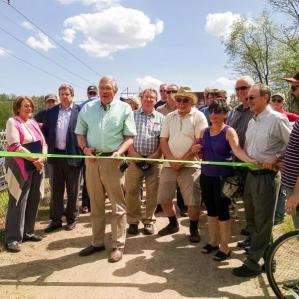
(291, 116)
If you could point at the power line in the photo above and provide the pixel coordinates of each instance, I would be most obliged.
(44, 56)
(40, 69)
(49, 36)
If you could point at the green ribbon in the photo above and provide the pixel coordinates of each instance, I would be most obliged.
(34, 155)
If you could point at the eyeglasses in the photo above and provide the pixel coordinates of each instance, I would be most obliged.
(183, 100)
(241, 88)
(278, 100)
(92, 93)
(171, 91)
(163, 90)
(250, 98)
(294, 87)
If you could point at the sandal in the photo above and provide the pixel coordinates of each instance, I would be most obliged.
(209, 248)
(221, 256)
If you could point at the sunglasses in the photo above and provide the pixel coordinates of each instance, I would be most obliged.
(278, 100)
(250, 98)
(92, 93)
(171, 91)
(241, 88)
(183, 100)
(294, 87)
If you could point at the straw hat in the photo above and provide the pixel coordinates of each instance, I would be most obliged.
(185, 91)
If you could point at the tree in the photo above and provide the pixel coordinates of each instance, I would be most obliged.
(251, 49)
(288, 7)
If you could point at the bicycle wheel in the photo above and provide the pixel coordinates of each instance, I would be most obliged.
(282, 266)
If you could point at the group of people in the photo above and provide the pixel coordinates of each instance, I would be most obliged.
(106, 130)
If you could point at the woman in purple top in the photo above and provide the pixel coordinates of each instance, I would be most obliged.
(217, 143)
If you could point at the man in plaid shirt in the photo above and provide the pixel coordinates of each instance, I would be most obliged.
(146, 144)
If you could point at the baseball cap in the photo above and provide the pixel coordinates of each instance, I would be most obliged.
(51, 97)
(92, 88)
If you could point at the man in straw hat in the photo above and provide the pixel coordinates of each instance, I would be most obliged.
(180, 130)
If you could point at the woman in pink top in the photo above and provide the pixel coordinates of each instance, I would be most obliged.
(24, 176)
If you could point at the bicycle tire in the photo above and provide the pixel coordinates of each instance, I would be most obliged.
(278, 259)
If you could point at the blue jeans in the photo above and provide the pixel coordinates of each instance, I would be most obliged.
(284, 194)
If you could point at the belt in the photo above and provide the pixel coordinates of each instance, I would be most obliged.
(104, 154)
(261, 171)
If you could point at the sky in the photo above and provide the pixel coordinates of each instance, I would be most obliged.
(141, 43)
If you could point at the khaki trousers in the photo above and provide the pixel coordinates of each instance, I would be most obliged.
(103, 175)
(133, 183)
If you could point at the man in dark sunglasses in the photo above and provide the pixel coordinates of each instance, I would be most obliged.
(163, 96)
(277, 104)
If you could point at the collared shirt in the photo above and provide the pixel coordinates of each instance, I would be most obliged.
(62, 125)
(290, 166)
(164, 109)
(105, 126)
(239, 120)
(148, 128)
(267, 135)
(182, 131)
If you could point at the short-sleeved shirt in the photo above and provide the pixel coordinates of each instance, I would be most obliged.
(105, 127)
(164, 109)
(183, 131)
(290, 166)
(148, 131)
(267, 135)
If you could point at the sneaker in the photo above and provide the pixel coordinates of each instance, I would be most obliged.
(84, 210)
(221, 256)
(133, 229)
(243, 244)
(169, 229)
(194, 236)
(148, 229)
(13, 246)
(70, 226)
(244, 271)
(32, 238)
(52, 227)
(184, 213)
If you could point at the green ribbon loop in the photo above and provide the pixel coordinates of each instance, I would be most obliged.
(34, 155)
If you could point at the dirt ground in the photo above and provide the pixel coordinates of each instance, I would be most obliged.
(152, 267)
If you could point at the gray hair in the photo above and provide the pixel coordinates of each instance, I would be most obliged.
(264, 89)
(247, 79)
(150, 90)
(112, 80)
(66, 86)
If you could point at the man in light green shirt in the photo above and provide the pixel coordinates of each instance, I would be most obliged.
(105, 127)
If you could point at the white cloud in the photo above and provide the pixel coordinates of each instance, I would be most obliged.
(99, 4)
(40, 41)
(27, 25)
(149, 82)
(224, 83)
(113, 29)
(4, 52)
(69, 35)
(219, 24)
